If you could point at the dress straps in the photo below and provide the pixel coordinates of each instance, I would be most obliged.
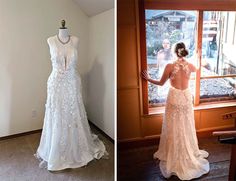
(180, 65)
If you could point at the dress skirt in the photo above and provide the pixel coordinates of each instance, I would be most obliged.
(66, 140)
(178, 151)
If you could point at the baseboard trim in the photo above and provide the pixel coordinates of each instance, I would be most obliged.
(40, 130)
(20, 134)
(154, 140)
(138, 142)
(103, 133)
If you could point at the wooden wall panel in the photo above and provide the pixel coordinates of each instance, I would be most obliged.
(127, 67)
(128, 117)
(212, 118)
(126, 12)
(152, 125)
(128, 108)
(197, 117)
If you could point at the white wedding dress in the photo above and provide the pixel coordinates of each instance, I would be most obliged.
(178, 151)
(66, 140)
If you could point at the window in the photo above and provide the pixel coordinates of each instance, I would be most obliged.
(164, 28)
(210, 38)
(217, 57)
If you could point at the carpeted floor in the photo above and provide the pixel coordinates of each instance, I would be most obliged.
(17, 163)
(138, 164)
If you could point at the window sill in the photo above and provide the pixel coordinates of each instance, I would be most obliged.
(214, 105)
(202, 106)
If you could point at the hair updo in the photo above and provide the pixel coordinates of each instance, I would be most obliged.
(180, 50)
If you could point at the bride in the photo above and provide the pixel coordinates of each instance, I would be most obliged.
(178, 151)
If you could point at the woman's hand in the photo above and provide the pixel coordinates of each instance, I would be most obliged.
(145, 75)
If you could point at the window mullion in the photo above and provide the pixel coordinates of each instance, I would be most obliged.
(199, 55)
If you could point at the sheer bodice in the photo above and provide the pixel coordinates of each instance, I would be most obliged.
(63, 56)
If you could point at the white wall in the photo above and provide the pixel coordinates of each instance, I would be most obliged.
(24, 57)
(100, 75)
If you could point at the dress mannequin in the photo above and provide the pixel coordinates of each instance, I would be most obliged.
(66, 140)
(63, 35)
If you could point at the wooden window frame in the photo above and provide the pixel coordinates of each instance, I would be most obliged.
(234, 32)
(200, 6)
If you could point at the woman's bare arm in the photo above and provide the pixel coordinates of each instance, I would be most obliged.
(163, 79)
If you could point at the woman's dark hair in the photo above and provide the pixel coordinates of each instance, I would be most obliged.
(180, 50)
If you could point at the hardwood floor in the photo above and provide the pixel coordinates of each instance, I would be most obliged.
(138, 164)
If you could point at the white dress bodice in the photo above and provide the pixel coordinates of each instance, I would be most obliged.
(63, 56)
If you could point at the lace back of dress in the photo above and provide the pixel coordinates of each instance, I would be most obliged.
(178, 66)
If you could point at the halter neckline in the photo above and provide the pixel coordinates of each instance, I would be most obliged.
(62, 41)
(178, 65)
(181, 60)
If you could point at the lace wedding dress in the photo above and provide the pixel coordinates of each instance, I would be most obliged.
(66, 140)
(178, 151)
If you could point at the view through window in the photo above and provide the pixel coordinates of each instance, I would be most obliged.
(218, 57)
(164, 28)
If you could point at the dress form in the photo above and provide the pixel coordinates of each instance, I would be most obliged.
(66, 140)
(64, 36)
(63, 33)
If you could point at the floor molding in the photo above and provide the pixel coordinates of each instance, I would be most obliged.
(103, 133)
(154, 140)
(20, 134)
(40, 130)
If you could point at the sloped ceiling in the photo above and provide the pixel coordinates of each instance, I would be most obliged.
(94, 7)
